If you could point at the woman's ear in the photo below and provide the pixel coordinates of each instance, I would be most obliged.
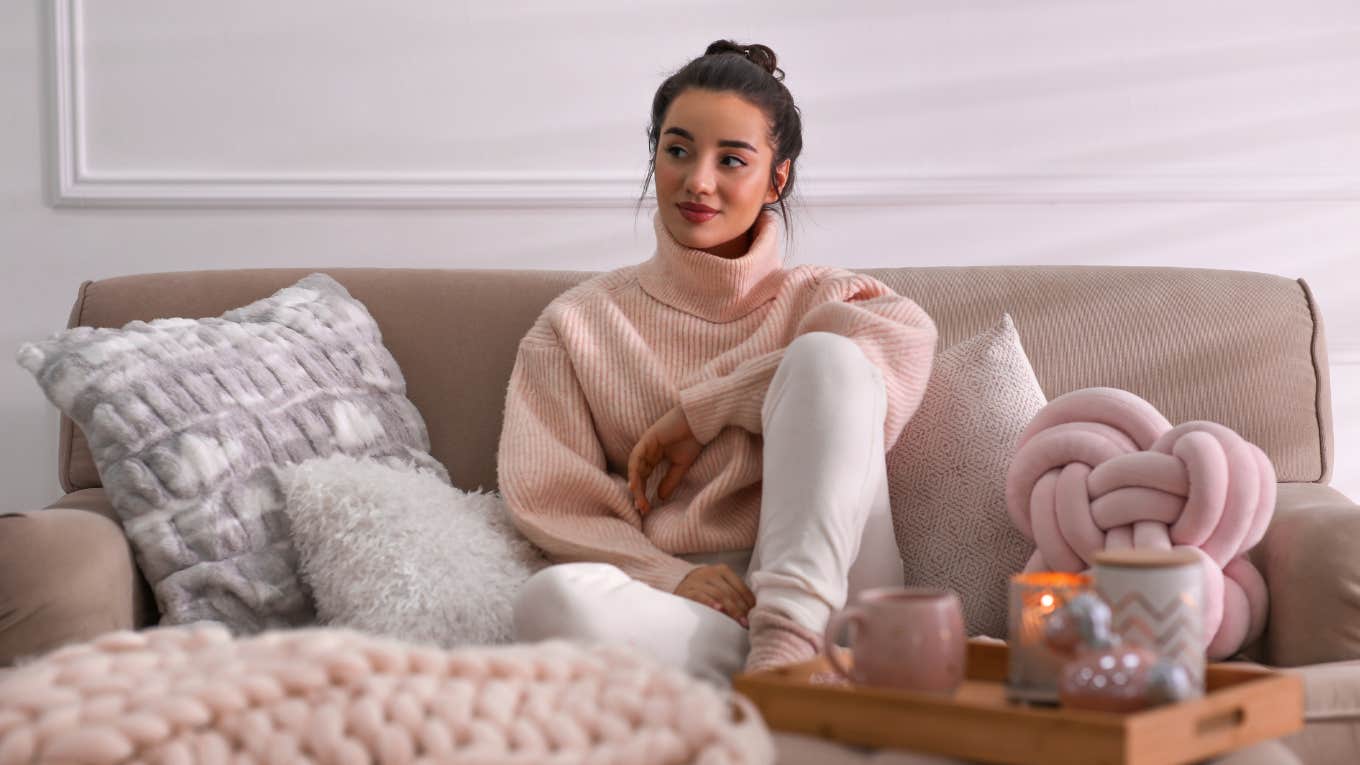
(781, 177)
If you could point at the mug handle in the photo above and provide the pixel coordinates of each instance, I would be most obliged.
(852, 615)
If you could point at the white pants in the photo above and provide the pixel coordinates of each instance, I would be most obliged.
(825, 529)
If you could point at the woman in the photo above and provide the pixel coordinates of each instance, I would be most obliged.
(769, 395)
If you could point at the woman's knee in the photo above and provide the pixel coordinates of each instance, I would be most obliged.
(830, 357)
(828, 365)
(824, 348)
(562, 601)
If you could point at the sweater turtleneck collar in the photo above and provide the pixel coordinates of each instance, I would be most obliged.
(714, 288)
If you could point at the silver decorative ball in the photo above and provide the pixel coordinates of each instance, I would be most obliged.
(1083, 622)
(1167, 683)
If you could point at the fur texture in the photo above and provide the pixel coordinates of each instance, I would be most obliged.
(399, 552)
(187, 420)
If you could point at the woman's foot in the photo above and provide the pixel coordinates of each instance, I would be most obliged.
(777, 640)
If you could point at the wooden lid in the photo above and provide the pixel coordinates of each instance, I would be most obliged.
(1147, 558)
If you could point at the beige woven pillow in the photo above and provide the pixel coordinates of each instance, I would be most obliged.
(947, 475)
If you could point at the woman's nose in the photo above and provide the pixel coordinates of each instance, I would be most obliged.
(699, 181)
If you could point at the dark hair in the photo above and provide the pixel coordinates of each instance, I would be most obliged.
(750, 72)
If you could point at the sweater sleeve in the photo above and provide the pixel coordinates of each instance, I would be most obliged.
(894, 333)
(553, 475)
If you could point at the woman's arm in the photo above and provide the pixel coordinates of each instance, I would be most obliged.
(893, 332)
(553, 475)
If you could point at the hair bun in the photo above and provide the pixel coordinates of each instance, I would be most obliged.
(761, 55)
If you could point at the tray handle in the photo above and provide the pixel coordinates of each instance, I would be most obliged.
(1221, 719)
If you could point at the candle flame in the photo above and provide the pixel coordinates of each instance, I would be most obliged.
(1046, 600)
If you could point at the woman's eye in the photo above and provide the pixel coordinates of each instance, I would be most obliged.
(675, 151)
(738, 160)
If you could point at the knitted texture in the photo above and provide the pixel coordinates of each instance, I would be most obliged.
(777, 640)
(187, 420)
(195, 694)
(1101, 469)
(947, 475)
(609, 357)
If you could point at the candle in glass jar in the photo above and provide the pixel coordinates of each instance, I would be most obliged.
(1033, 667)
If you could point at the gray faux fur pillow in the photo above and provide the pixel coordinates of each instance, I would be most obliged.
(188, 420)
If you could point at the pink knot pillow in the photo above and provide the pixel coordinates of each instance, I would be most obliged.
(1101, 469)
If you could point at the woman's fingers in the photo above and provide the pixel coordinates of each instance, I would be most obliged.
(748, 598)
(668, 438)
(672, 480)
(727, 601)
(719, 588)
(732, 602)
(638, 471)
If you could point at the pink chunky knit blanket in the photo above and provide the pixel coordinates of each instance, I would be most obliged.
(195, 694)
(1101, 469)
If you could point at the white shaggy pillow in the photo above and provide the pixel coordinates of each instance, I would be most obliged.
(398, 552)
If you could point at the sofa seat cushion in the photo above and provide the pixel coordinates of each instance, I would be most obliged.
(1331, 711)
(1331, 695)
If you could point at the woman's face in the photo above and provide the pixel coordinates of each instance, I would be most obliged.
(713, 170)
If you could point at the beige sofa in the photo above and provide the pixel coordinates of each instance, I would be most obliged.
(1244, 349)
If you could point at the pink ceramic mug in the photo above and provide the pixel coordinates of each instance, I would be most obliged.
(904, 637)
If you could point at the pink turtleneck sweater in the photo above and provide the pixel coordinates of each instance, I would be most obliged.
(610, 356)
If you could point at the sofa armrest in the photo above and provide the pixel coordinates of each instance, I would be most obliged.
(67, 575)
(1310, 559)
(96, 500)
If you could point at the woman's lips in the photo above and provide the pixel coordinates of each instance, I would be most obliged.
(697, 214)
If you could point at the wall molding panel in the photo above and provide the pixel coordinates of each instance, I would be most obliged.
(178, 135)
(77, 185)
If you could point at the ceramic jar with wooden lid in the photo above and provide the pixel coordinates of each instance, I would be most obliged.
(1156, 599)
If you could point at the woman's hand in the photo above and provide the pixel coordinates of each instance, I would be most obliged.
(718, 586)
(669, 438)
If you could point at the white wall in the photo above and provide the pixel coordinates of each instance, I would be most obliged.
(150, 135)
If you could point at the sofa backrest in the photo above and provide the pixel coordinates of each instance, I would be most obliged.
(1244, 349)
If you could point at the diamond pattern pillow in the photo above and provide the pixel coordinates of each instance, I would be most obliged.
(188, 420)
(947, 475)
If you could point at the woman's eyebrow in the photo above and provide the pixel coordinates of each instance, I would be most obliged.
(727, 142)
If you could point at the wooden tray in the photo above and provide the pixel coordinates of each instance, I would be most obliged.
(1242, 705)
